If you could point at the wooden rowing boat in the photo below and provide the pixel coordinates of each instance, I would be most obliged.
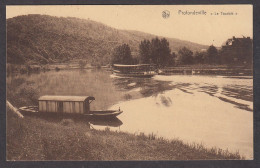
(104, 113)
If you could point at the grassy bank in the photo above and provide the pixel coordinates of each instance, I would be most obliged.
(34, 138)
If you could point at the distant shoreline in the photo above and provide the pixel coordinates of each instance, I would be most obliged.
(197, 69)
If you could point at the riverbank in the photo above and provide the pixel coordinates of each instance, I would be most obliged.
(196, 69)
(36, 68)
(34, 138)
(206, 69)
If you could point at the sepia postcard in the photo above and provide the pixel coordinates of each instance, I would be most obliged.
(129, 82)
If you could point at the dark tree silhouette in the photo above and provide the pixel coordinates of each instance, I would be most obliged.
(145, 51)
(157, 51)
(185, 56)
(199, 57)
(82, 64)
(212, 55)
(237, 51)
(172, 59)
(122, 55)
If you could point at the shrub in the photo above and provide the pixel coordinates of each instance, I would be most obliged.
(67, 122)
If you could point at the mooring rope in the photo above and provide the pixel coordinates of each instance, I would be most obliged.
(14, 109)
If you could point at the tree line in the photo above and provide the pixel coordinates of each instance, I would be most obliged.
(235, 51)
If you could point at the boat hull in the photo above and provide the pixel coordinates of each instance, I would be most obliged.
(138, 70)
(103, 114)
(33, 110)
(133, 75)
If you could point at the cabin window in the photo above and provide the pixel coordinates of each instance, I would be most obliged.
(42, 106)
(66, 107)
(51, 106)
(77, 107)
(87, 107)
(73, 108)
(60, 107)
(81, 107)
(47, 106)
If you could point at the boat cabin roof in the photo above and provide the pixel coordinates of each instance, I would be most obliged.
(66, 98)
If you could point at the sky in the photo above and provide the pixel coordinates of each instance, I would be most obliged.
(209, 26)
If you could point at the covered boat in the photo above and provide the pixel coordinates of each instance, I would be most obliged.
(65, 104)
(68, 105)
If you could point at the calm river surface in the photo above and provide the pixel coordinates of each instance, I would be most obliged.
(216, 111)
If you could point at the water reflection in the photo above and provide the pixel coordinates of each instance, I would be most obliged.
(238, 92)
(146, 86)
(212, 110)
(228, 92)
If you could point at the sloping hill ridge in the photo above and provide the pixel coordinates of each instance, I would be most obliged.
(46, 39)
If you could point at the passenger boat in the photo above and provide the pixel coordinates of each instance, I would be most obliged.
(139, 70)
(68, 105)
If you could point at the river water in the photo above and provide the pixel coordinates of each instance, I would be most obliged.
(216, 111)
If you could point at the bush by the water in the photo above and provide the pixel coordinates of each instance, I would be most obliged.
(22, 93)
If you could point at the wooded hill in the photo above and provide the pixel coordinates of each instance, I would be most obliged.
(43, 39)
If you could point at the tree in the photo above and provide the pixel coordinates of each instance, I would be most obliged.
(164, 53)
(172, 59)
(157, 51)
(185, 56)
(82, 64)
(212, 55)
(122, 55)
(145, 51)
(199, 57)
(237, 51)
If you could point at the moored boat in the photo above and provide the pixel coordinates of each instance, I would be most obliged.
(138, 70)
(68, 105)
(104, 113)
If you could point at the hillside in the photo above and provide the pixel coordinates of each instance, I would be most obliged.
(47, 39)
